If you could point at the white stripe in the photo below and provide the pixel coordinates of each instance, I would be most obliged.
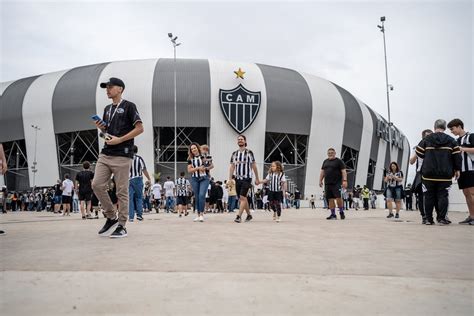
(138, 78)
(223, 138)
(365, 146)
(380, 165)
(328, 118)
(405, 157)
(37, 110)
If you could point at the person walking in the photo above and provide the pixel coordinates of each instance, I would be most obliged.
(147, 197)
(365, 197)
(394, 181)
(67, 188)
(199, 179)
(356, 193)
(169, 194)
(311, 201)
(466, 179)
(243, 166)
(417, 186)
(156, 191)
(182, 191)
(442, 161)
(334, 174)
(84, 185)
(121, 124)
(3, 170)
(135, 190)
(276, 181)
(232, 194)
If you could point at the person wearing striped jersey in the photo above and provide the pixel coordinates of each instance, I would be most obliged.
(466, 179)
(243, 166)
(135, 189)
(182, 187)
(441, 162)
(199, 179)
(276, 182)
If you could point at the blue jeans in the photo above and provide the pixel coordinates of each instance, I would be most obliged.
(232, 203)
(169, 203)
(146, 203)
(200, 185)
(135, 197)
(297, 204)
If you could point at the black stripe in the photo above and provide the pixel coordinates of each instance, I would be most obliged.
(74, 99)
(11, 107)
(353, 122)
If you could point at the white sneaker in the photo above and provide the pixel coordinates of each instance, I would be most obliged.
(197, 219)
(274, 216)
(278, 220)
(201, 218)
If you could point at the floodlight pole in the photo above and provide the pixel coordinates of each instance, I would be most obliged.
(387, 86)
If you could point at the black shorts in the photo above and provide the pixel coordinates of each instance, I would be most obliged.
(94, 200)
(181, 200)
(275, 196)
(66, 199)
(242, 186)
(85, 196)
(332, 191)
(466, 180)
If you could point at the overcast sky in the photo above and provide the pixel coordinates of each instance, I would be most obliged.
(429, 44)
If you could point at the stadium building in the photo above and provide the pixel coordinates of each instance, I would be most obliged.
(293, 117)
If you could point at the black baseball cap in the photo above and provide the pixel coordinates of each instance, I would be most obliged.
(113, 82)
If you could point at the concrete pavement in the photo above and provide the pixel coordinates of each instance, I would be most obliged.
(305, 265)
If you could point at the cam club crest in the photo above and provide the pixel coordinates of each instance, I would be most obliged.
(239, 106)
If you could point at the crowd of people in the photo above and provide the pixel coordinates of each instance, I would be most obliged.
(117, 186)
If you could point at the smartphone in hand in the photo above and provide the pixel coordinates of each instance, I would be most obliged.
(98, 119)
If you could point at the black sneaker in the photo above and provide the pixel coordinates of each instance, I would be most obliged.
(343, 216)
(119, 232)
(397, 216)
(237, 219)
(332, 216)
(423, 221)
(109, 224)
(444, 222)
(140, 218)
(248, 218)
(2, 232)
(467, 221)
(390, 215)
(83, 217)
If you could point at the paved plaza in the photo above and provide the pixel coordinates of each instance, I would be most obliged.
(305, 265)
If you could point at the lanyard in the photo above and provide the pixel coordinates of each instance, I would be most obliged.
(109, 121)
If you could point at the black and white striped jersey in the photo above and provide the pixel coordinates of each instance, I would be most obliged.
(195, 162)
(467, 141)
(275, 181)
(243, 161)
(207, 161)
(182, 185)
(137, 167)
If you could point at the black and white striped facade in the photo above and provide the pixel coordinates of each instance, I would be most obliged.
(291, 102)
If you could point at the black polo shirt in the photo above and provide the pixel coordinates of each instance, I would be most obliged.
(120, 119)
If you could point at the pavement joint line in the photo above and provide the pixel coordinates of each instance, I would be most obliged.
(250, 273)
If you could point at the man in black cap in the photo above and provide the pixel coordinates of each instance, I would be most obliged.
(121, 124)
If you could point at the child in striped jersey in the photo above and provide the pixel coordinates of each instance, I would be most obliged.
(276, 182)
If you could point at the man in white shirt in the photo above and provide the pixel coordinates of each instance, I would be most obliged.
(156, 189)
(169, 194)
(67, 187)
